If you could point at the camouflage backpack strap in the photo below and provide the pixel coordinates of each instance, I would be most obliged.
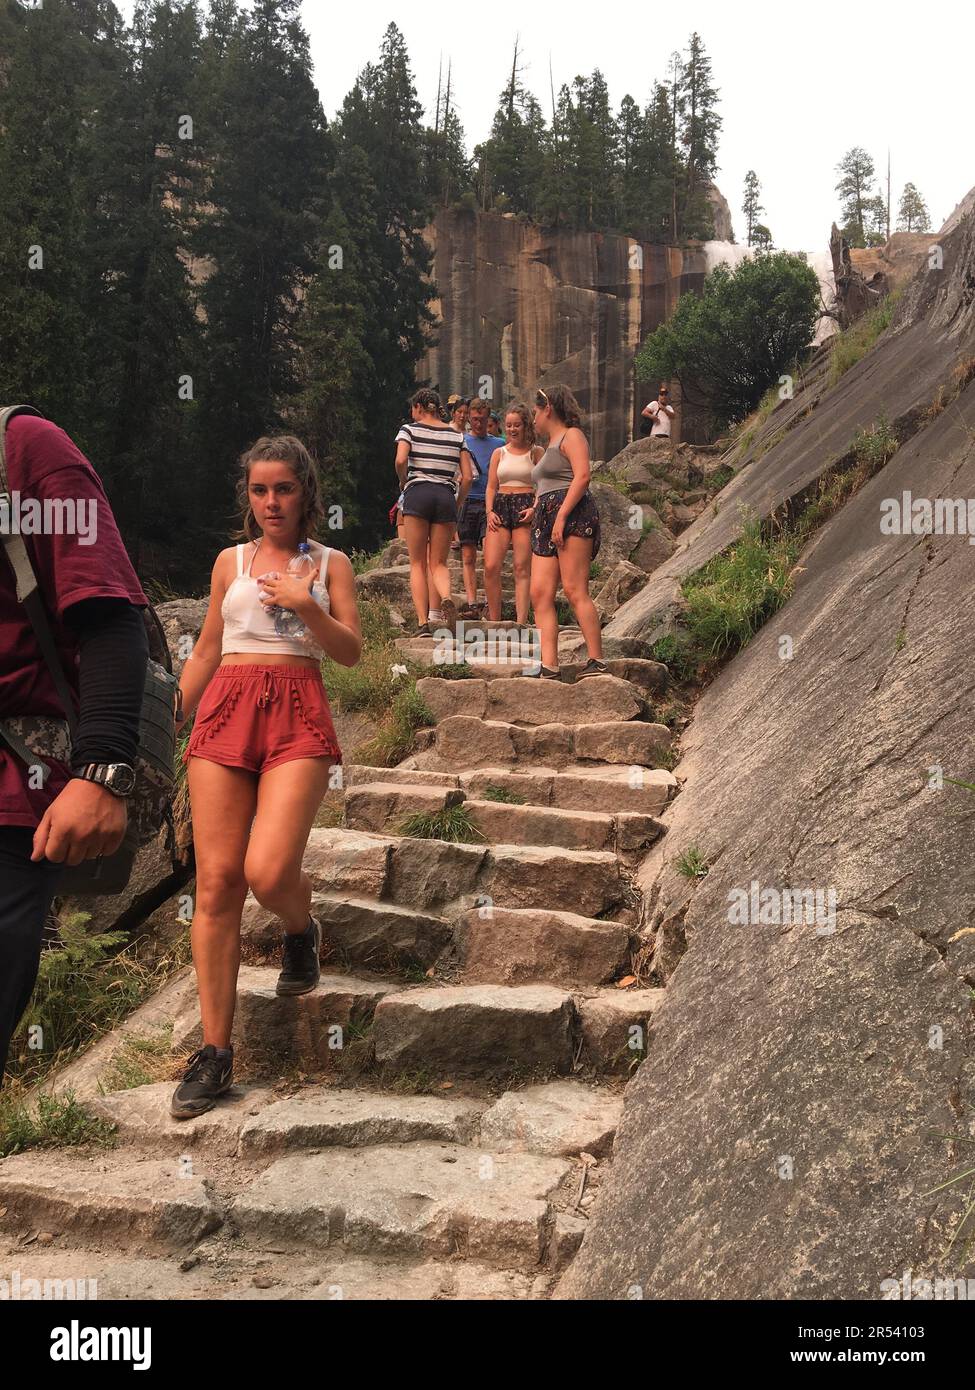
(32, 736)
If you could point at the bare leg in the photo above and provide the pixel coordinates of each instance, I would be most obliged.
(418, 534)
(544, 583)
(495, 549)
(223, 800)
(287, 798)
(521, 545)
(575, 559)
(441, 534)
(468, 555)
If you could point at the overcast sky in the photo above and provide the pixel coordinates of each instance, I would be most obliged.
(799, 84)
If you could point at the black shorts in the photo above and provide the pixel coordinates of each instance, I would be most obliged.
(583, 521)
(473, 521)
(508, 506)
(432, 502)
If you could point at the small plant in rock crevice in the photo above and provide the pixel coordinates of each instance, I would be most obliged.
(690, 863)
(453, 823)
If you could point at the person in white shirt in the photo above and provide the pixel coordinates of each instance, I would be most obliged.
(661, 413)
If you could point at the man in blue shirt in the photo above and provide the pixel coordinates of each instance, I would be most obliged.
(472, 523)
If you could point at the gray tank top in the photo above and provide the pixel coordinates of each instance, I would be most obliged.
(553, 471)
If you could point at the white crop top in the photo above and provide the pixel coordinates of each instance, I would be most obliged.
(516, 468)
(249, 627)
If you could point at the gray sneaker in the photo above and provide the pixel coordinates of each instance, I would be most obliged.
(207, 1076)
(300, 967)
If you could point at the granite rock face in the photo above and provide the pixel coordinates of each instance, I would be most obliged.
(519, 304)
(810, 1079)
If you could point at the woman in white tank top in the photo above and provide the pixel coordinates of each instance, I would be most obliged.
(510, 503)
(263, 744)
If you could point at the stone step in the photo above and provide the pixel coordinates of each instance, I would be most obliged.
(559, 1118)
(497, 1030)
(424, 1198)
(471, 1030)
(596, 700)
(252, 1122)
(499, 662)
(311, 1028)
(360, 932)
(518, 946)
(608, 788)
(641, 789)
(428, 874)
(465, 741)
(152, 1203)
(385, 807)
(222, 1271)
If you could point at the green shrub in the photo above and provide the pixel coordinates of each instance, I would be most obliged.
(875, 446)
(736, 593)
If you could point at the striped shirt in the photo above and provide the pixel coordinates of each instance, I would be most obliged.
(434, 454)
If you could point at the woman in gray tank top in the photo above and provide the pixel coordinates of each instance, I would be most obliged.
(565, 529)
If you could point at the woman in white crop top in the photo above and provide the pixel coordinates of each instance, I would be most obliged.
(510, 503)
(263, 744)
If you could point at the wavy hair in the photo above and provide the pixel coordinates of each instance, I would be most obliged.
(281, 448)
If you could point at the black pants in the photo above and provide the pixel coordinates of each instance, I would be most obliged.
(26, 891)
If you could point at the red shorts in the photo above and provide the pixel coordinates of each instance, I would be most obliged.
(256, 717)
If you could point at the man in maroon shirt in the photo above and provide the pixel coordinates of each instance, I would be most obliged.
(54, 813)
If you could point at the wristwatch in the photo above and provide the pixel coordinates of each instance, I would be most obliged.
(117, 778)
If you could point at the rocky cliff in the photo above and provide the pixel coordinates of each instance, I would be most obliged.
(519, 304)
(808, 1089)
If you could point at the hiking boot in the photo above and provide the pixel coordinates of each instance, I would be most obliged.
(449, 610)
(207, 1076)
(300, 967)
(424, 630)
(545, 673)
(471, 612)
(593, 667)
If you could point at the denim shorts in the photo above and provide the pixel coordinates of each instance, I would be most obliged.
(432, 502)
(508, 506)
(473, 521)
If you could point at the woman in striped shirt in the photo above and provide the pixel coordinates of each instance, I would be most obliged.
(429, 458)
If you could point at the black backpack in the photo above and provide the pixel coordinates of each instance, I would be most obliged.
(38, 736)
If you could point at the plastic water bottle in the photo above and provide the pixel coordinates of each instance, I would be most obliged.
(286, 621)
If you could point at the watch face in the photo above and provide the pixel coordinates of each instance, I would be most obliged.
(120, 778)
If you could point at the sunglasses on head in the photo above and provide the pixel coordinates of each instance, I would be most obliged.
(541, 393)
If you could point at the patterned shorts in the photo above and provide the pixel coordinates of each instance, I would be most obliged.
(583, 521)
(509, 505)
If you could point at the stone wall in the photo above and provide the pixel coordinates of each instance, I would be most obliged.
(521, 305)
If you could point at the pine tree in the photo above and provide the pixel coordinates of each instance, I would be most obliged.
(337, 370)
(381, 117)
(700, 124)
(752, 207)
(143, 330)
(660, 167)
(857, 171)
(912, 215)
(51, 81)
(266, 150)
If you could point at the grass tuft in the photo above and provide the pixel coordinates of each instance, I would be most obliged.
(453, 823)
